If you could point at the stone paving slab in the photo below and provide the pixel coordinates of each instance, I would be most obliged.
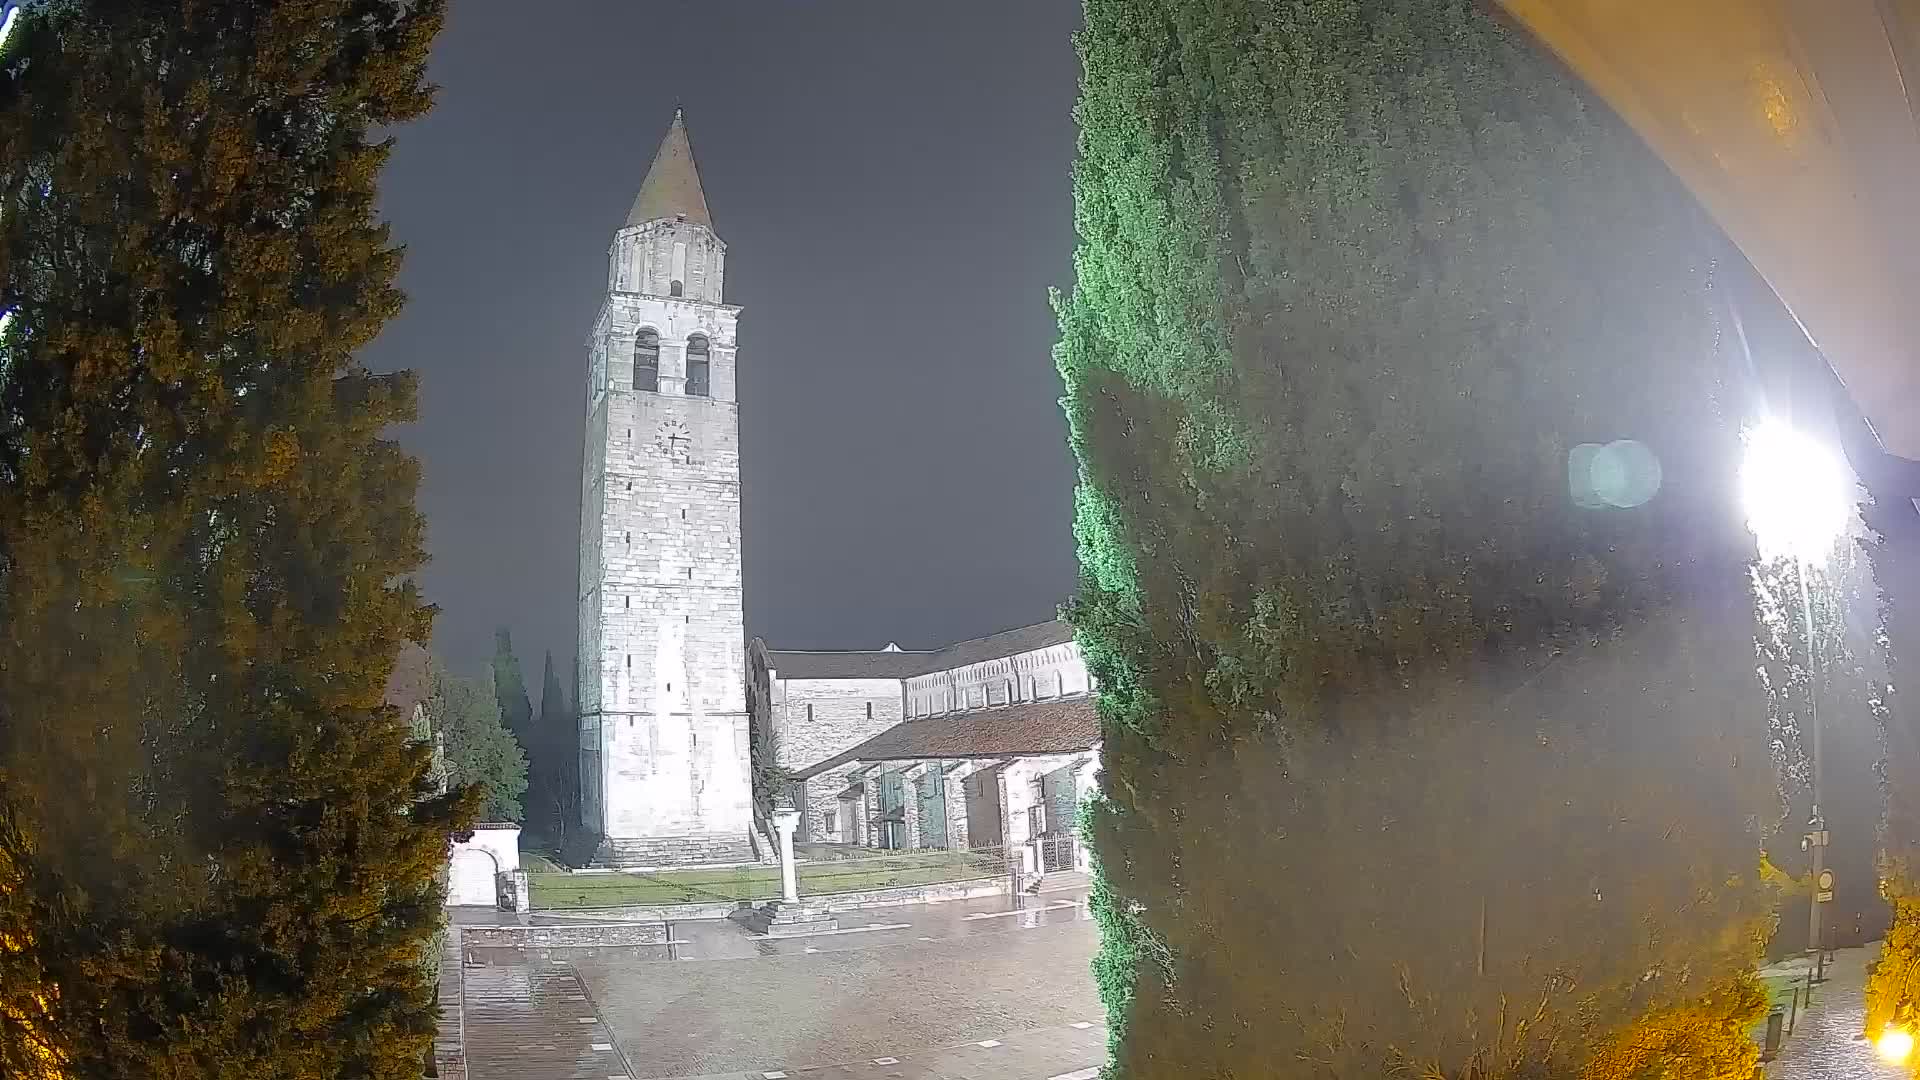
(998, 988)
(806, 1009)
(449, 1039)
(1054, 1053)
(721, 939)
(535, 1021)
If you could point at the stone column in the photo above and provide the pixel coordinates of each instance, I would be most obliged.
(910, 804)
(956, 798)
(785, 820)
(870, 800)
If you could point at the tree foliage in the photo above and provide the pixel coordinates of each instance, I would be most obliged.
(1412, 762)
(553, 787)
(480, 752)
(215, 834)
(1893, 989)
(510, 688)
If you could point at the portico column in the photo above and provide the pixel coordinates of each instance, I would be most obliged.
(785, 820)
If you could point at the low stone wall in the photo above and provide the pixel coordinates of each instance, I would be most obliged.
(586, 935)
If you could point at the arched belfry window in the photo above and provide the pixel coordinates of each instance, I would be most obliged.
(675, 288)
(699, 378)
(646, 360)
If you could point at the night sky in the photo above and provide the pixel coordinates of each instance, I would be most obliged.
(893, 184)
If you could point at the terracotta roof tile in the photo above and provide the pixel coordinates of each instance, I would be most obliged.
(1060, 726)
(894, 664)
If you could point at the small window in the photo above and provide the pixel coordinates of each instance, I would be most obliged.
(675, 289)
(827, 823)
(626, 602)
(699, 377)
(809, 712)
(646, 363)
(869, 710)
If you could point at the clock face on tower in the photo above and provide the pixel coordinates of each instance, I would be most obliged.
(675, 441)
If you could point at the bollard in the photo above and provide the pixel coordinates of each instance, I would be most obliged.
(1775, 1021)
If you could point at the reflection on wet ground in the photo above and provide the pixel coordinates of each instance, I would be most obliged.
(719, 939)
(912, 983)
(533, 1020)
(1828, 1041)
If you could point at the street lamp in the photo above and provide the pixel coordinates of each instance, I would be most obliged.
(1798, 498)
(1796, 492)
(1895, 1045)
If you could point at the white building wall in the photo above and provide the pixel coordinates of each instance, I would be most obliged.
(814, 719)
(473, 865)
(1055, 671)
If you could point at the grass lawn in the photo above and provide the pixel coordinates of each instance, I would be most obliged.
(559, 889)
(535, 863)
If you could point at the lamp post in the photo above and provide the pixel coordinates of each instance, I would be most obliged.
(1798, 498)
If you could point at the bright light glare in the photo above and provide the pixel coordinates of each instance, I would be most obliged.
(1796, 492)
(1894, 1045)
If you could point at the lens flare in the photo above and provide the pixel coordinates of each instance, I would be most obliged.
(1797, 493)
(1894, 1044)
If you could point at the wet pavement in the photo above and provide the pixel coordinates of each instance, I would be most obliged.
(990, 989)
(1827, 1042)
(719, 939)
(972, 989)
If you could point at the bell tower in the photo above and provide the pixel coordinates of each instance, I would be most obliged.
(663, 718)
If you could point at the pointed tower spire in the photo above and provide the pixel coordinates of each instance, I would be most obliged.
(672, 186)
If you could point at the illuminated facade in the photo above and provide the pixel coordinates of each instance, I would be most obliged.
(663, 717)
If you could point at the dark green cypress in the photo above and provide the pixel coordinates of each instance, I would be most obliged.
(1413, 759)
(510, 688)
(223, 849)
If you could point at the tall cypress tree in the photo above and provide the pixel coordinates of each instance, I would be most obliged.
(1410, 571)
(510, 688)
(206, 541)
(553, 793)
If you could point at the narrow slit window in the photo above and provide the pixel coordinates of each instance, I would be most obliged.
(699, 370)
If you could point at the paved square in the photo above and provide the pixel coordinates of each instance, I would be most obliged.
(798, 1011)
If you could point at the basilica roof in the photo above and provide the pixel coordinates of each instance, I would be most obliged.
(874, 664)
(896, 664)
(1059, 726)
